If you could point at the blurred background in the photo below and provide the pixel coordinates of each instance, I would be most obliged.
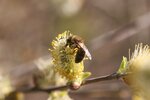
(109, 28)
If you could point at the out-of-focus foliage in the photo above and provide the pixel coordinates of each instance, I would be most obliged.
(59, 95)
(47, 77)
(68, 8)
(5, 87)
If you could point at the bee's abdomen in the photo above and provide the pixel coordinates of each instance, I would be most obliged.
(79, 55)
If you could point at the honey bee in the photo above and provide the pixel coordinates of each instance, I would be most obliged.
(77, 42)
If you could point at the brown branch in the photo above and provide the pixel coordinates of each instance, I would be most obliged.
(103, 78)
(88, 81)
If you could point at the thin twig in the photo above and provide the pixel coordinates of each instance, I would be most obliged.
(88, 81)
(103, 78)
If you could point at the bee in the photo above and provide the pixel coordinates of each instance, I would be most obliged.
(82, 51)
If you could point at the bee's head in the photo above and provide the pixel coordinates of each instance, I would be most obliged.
(73, 41)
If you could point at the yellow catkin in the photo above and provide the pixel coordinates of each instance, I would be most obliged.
(139, 66)
(64, 58)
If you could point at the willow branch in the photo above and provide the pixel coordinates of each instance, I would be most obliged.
(86, 82)
(103, 78)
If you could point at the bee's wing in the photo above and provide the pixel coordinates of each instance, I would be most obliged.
(87, 53)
